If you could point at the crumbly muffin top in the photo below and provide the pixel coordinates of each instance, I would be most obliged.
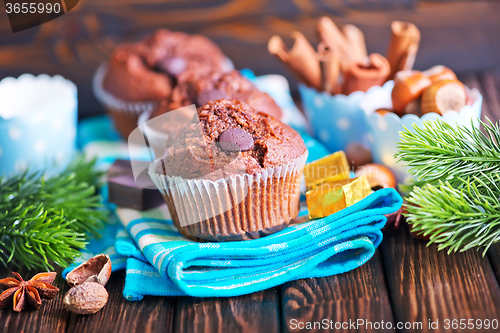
(230, 138)
(149, 69)
(199, 88)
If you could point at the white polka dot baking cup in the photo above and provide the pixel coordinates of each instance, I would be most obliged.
(384, 130)
(336, 120)
(238, 207)
(125, 114)
(38, 117)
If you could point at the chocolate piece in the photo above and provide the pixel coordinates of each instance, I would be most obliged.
(124, 191)
(235, 139)
(173, 66)
(210, 95)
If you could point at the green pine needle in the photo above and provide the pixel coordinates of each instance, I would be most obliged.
(456, 197)
(439, 152)
(48, 219)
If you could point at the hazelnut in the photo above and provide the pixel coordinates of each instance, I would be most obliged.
(86, 298)
(357, 155)
(439, 73)
(408, 86)
(413, 108)
(444, 96)
(377, 174)
(96, 269)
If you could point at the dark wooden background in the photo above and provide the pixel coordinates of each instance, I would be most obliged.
(464, 35)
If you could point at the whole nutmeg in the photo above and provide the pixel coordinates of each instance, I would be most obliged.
(96, 269)
(444, 96)
(86, 298)
(439, 73)
(377, 174)
(408, 86)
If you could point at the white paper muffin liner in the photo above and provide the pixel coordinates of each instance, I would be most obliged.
(384, 130)
(237, 207)
(125, 114)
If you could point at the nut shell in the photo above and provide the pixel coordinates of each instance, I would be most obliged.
(444, 96)
(408, 86)
(86, 298)
(96, 269)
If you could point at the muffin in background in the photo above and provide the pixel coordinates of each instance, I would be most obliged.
(199, 88)
(232, 174)
(139, 75)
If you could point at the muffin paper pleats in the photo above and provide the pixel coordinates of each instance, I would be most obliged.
(233, 208)
(125, 114)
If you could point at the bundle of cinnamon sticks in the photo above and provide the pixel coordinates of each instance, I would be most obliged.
(341, 64)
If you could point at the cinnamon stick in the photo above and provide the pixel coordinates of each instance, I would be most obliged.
(361, 77)
(301, 59)
(403, 46)
(330, 69)
(357, 40)
(335, 39)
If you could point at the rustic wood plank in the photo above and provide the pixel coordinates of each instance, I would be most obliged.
(358, 294)
(152, 314)
(494, 257)
(257, 312)
(429, 285)
(51, 317)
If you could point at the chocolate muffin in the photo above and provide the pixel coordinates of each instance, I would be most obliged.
(139, 75)
(199, 88)
(232, 174)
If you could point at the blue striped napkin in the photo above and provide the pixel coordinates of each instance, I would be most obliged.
(332, 245)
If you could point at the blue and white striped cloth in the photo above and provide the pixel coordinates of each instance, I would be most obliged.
(160, 261)
(323, 247)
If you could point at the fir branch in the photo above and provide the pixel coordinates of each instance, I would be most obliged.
(456, 197)
(31, 236)
(48, 219)
(439, 152)
(457, 218)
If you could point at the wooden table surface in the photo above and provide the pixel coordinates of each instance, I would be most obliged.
(405, 282)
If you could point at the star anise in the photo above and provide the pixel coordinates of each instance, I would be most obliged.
(32, 291)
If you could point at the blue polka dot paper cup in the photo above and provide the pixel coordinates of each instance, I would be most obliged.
(384, 130)
(38, 117)
(337, 120)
